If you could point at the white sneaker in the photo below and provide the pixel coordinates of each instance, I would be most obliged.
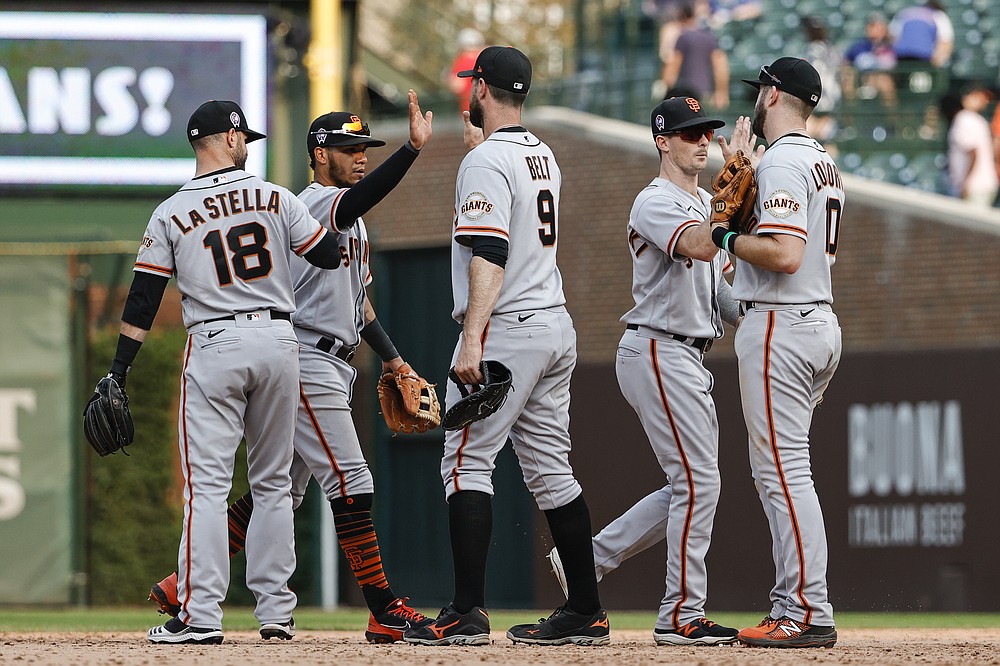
(176, 632)
(558, 572)
(282, 630)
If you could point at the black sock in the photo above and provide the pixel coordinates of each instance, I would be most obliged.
(570, 529)
(470, 521)
(356, 533)
(239, 519)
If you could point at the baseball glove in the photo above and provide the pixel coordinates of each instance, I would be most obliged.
(735, 193)
(107, 422)
(484, 400)
(409, 403)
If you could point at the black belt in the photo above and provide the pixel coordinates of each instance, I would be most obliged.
(344, 353)
(274, 315)
(701, 344)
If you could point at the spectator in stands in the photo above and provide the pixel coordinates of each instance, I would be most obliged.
(724, 11)
(869, 61)
(923, 33)
(668, 13)
(470, 43)
(698, 67)
(826, 58)
(971, 163)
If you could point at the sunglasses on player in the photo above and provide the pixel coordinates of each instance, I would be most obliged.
(355, 127)
(693, 134)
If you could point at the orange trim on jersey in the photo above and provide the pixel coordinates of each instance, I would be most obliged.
(689, 516)
(677, 234)
(333, 210)
(302, 249)
(773, 437)
(503, 233)
(163, 270)
(783, 228)
(322, 440)
(187, 483)
(465, 431)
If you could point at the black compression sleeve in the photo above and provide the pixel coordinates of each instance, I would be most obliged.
(326, 253)
(124, 356)
(490, 248)
(374, 187)
(378, 340)
(143, 300)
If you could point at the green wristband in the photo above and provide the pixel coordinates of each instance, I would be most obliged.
(729, 242)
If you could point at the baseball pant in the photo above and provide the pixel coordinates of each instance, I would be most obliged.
(786, 362)
(239, 380)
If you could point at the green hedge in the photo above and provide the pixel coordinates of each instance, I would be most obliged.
(135, 502)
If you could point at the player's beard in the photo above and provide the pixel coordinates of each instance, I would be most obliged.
(475, 111)
(759, 116)
(240, 155)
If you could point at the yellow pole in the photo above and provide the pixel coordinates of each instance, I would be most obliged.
(324, 59)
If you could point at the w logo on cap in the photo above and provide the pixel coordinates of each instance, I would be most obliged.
(234, 118)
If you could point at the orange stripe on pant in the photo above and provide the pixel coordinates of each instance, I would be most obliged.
(773, 438)
(187, 482)
(465, 432)
(322, 440)
(687, 473)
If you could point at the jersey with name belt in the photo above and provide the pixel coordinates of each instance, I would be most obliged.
(331, 302)
(800, 193)
(508, 187)
(672, 293)
(226, 236)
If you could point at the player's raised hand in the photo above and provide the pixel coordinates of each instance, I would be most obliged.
(473, 135)
(743, 139)
(420, 123)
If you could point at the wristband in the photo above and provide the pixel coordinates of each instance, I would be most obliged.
(410, 147)
(725, 239)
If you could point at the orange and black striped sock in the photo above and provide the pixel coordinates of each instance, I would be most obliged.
(356, 533)
(239, 519)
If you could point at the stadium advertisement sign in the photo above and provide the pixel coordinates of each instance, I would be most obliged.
(104, 99)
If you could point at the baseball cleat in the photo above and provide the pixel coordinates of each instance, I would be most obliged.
(453, 628)
(282, 630)
(388, 627)
(558, 571)
(697, 632)
(164, 595)
(177, 633)
(788, 633)
(564, 626)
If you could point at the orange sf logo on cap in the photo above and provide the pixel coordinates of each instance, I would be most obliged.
(693, 104)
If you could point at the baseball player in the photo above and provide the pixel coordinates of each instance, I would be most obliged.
(789, 343)
(227, 236)
(332, 315)
(509, 300)
(681, 298)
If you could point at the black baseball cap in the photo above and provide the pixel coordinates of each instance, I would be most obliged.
(504, 67)
(218, 116)
(677, 113)
(793, 75)
(340, 128)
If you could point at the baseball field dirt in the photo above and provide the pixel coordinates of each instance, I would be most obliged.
(856, 646)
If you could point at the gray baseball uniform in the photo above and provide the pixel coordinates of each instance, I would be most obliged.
(226, 236)
(328, 321)
(660, 371)
(789, 346)
(508, 187)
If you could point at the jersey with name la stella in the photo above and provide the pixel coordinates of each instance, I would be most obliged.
(228, 203)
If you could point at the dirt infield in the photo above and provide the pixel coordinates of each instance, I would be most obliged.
(883, 647)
